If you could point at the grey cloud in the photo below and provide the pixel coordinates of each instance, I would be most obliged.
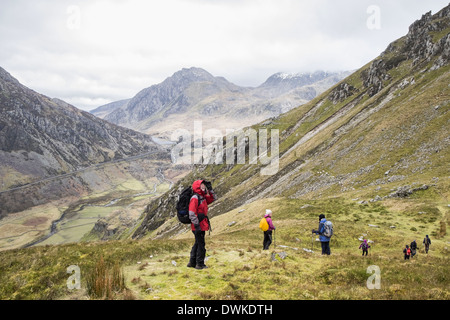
(112, 55)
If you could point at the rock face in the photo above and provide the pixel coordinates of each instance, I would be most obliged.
(418, 46)
(419, 40)
(41, 137)
(342, 92)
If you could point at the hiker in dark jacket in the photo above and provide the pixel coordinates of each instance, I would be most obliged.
(427, 242)
(413, 248)
(324, 241)
(365, 247)
(198, 213)
(407, 252)
(268, 234)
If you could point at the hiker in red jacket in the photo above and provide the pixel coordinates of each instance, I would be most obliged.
(198, 214)
(407, 252)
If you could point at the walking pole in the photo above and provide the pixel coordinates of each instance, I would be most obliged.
(274, 243)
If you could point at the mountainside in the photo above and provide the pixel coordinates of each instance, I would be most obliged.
(380, 134)
(193, 94)
(42, 138)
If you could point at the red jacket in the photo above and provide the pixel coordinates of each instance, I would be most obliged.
(198, 213)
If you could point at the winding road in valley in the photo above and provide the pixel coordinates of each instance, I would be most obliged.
(96, 166)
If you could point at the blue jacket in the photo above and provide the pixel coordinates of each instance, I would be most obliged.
(322, 238)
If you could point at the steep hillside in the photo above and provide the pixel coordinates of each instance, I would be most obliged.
(194, 94)
(380, 134)
(41, 138)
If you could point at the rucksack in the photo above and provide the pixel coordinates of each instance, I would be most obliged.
(408, 251)
(263, 225)
(327, 229)
(183, 205)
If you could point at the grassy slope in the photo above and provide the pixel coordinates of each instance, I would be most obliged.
(239, 269)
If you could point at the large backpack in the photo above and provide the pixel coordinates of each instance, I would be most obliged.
(263, 225)
(327, 229)
(183, 205)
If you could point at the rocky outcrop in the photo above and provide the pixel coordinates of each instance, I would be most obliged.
(159, 210)
(342, 92)
(421, 44)
(376, 74)
(406, 191)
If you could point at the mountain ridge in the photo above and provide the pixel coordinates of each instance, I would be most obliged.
(194, 93)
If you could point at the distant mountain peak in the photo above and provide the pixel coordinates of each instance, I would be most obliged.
(192, 74)
(299, 75)
(297, 79)
(195, 91)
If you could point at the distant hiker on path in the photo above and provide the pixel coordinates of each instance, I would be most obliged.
(407, 252)
(365, 247)
(325, 231)
(267, 229)
(427, 242)
(198, 214)
(413, 248)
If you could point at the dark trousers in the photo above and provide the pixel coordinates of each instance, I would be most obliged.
(365, 251)
(326, 247)
(198, 250)
(267, 239)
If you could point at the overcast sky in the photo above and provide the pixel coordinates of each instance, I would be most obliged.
(93, 52)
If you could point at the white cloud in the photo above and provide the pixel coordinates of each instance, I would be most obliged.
(92, 52)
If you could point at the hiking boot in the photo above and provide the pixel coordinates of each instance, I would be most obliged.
(189, 265)
(201, 267)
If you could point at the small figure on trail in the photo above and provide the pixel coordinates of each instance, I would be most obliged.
(413, 248)
(325, 231)
(267, 226)
(365, 247)
(427, 242)
(407, 252)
